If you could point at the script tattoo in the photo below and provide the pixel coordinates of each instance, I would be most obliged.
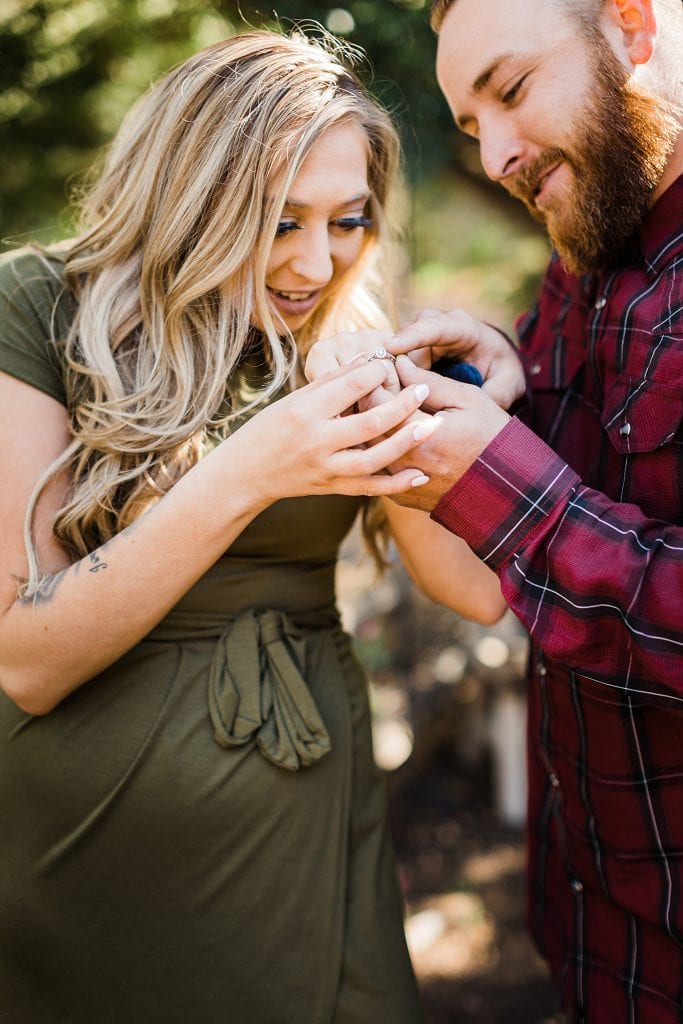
(48, 586)
(97, 562)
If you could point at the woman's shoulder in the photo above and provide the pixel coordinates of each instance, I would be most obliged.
(36, 310)
(31, 273)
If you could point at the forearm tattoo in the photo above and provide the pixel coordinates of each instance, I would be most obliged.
(48, 586)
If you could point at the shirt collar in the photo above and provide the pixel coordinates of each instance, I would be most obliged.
(661, 234)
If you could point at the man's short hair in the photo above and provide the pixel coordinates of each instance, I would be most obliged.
(439, 8)
(586, 12)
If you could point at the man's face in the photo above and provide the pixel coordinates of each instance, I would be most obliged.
(558, 122)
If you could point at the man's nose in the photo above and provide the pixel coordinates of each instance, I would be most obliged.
(502, 152)
(313, 258)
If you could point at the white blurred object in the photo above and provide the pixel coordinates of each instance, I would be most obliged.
(450, 665)
(492, 651)
(340, 21)
(507, 731)
(423, 929)
(392, 740)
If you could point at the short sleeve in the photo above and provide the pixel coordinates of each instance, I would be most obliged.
(35, 311)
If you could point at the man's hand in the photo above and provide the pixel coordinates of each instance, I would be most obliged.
(467, 420)
(459, 334)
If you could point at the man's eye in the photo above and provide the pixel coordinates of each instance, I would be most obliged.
(351, 223)
(510, 95)
(285, 226)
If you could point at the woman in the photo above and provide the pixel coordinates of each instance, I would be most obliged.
(193, 829)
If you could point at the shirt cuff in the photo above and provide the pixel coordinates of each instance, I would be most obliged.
(517, 485)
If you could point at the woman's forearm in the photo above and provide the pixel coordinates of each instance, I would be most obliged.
(92, 612)
(443, 566)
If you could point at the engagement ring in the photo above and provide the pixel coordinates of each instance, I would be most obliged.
(381, 353)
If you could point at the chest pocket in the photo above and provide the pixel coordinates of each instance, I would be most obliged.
(643, 405)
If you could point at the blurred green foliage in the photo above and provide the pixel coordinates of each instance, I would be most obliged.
(70, 69)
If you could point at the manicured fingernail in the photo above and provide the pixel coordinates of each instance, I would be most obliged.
(423, 430)
(421, 392)
(419, 481)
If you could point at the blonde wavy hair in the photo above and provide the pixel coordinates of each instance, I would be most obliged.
(168, 269)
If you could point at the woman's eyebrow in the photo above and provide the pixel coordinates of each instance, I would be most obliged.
(297, 204)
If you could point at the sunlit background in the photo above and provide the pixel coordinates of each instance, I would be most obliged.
(447, 696)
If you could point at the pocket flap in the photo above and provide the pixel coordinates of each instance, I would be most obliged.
(641, 415)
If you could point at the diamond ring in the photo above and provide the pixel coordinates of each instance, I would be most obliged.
(381, 353)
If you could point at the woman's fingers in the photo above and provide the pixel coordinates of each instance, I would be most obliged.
(343, 387)
(341, 350)
(444, 393)
(381, 484)
(361, 462)
(366, 427)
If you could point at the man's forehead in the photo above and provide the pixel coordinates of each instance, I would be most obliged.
(478, 35)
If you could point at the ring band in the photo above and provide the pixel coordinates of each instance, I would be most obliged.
(381, 353)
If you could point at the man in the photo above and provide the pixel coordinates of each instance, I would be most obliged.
(574, 106)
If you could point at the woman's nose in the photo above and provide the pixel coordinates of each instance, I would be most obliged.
(313, 259)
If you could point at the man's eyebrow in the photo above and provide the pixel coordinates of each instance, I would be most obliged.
(485, 77)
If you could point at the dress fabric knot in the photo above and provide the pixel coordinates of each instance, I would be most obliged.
(257, 691)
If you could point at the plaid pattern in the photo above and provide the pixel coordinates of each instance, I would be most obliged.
(585, 529)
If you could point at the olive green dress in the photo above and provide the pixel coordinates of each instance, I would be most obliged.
(197, 835)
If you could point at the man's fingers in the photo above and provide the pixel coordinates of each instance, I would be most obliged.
(504, 388)
(435, 329)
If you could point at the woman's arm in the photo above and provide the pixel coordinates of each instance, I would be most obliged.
(444, 567)
(94, 610)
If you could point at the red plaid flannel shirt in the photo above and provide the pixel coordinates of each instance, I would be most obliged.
(583, 521)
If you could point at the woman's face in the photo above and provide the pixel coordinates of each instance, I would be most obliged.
(322, 225)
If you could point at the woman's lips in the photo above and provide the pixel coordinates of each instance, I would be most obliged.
(293, 303)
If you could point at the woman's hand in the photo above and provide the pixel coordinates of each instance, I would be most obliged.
(341, 349)
(303, 444)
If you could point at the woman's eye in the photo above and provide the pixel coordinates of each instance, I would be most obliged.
(285, 226)
(351, 223)
(510, 95)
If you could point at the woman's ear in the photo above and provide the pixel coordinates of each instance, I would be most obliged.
(636, 26)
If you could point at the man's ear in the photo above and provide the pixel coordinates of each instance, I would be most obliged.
(634, 25)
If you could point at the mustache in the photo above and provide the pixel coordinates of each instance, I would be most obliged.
(524, 185)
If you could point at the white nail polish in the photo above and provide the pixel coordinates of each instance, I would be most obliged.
(419, 481)
(422, 430)
(421, 392)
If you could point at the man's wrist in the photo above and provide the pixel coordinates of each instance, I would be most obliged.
(515, 484)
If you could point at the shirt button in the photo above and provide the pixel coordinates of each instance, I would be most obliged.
(601, 303)
(625, 430)
(542, 670)
(576, 886)
(535, 369)
(554, 781)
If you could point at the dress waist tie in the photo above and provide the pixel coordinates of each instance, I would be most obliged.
(257, 691)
